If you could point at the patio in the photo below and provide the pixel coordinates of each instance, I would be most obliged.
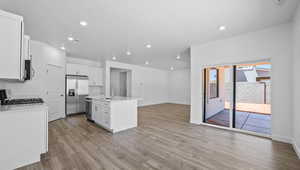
(260, 123)
(251, 107)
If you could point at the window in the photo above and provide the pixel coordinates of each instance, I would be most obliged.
(213, 83)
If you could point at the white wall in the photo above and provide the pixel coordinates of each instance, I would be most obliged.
(148, 83)
(273, 43)
(42, 54)
(87, 62)
(296, 81)
(179, 84)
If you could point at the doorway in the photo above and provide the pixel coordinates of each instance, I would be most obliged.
(120, 82)
(238, 96)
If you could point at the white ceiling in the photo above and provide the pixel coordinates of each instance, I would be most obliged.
(170, 26)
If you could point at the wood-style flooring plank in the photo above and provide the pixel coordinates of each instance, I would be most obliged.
(163, 140)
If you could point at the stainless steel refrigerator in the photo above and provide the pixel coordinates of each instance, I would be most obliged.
(77, 88)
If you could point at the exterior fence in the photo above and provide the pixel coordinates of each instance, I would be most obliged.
(250, 92)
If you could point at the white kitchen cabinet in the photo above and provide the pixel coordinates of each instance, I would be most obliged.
(77, 69)
(95, 76)
(71, 69)
(101, 113)
(26, 48)
(11, 46)
(23, 134)
(116, 114)
(96, 114)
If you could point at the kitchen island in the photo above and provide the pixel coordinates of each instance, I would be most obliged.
(23, 134)
(115, 114)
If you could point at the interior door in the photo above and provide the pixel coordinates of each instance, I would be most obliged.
(55, 99)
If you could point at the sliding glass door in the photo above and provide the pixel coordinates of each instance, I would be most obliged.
(238, 96)
(218, 95)
(253, 97)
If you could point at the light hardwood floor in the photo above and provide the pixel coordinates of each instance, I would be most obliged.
(163, 140)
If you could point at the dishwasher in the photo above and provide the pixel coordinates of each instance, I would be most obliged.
(89, 109)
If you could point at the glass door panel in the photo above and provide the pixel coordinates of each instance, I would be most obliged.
(252, 97)
(218, 85)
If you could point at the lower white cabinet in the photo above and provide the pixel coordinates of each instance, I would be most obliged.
(115, 115)
(23, 134)
(101, 112)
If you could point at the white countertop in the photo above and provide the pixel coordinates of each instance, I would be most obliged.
(115, 98)
(120, 98)
(22, 107)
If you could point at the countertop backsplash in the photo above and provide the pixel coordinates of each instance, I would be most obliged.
(96, 90)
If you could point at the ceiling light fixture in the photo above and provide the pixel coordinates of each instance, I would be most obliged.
(148, 46)
(128, 53)
(70, 38)
(178, 57)
(222, 28)
(172, 68)
(114, 58)
(147, 62)
(83, 23)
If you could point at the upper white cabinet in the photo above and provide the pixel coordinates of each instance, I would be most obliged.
(95, 74)
(11, 46)
(77, 69)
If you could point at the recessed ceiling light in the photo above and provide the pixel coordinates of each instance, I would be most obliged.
(114, 58)
(148, 46)
(222, 28)
(70, 38)
(83, 23)
(172, 68)
(147, 62)
(63, 48)
(178, 57)
(128, 53)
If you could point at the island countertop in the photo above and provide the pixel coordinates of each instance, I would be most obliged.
(120, 98)
(114, 98)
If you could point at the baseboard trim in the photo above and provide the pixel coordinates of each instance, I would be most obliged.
(296, 148)
(151, 104)
(178, 103)
(282, 139)
(237, 130)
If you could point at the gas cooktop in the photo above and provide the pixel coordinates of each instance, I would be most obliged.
(22, 101)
